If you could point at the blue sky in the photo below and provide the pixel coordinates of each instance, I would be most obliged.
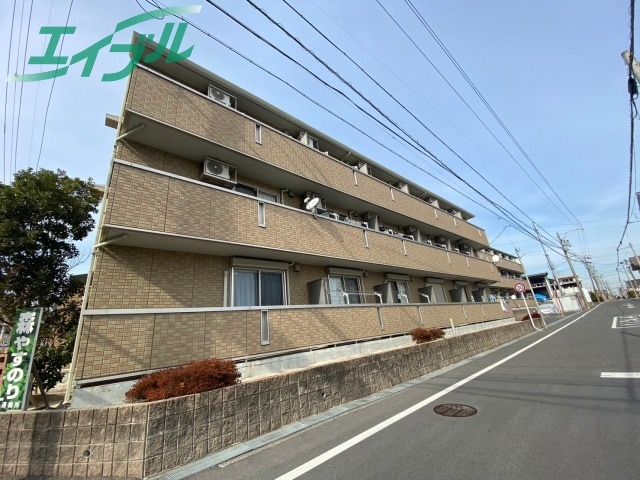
(551, 70)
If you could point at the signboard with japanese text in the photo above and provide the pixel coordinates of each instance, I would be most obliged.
(14, 393)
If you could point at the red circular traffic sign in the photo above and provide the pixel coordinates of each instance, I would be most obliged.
(520, 287)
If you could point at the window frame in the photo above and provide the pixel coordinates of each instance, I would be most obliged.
(259, 271)
(341, 297)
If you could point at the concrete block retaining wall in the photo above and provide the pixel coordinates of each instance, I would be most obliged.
(140, 440)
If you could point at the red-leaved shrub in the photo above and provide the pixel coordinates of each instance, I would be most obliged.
(533, 315)
(194, 377)
(422, 335)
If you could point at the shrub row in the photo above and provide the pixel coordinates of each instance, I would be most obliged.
(194, 377)
(422, 335)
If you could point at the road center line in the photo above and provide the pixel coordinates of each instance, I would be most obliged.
(620, 375)
(329, 454)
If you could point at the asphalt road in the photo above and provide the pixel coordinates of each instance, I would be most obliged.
(544, 411)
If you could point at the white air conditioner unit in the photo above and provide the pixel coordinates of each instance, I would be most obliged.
(214, 168)
(403, 187)
(308, 140)
(221, 96)
(364, 168)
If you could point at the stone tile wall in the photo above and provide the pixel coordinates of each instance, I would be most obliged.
(140, 440)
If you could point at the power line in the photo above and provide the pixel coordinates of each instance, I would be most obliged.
(24, 63)
(414, 143)
(400, 104)
(6, 101)
(633, 93)
(53, 84)
(493, 113)
(416, 93)
(311, 99)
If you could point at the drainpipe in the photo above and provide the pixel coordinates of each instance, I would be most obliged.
(76, 347)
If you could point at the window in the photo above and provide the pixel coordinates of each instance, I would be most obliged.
(269, 196)
(258, 133)
(264, 328)
(312, 142)
(400, 291)
(344, 289)
(437, 294)
(258, 287)
(257, 192)
(262, 215)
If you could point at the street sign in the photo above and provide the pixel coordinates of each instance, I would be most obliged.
(520, 287)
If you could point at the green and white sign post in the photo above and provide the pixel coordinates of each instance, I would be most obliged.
(14, 393)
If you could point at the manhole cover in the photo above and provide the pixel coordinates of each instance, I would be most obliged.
(454, 410)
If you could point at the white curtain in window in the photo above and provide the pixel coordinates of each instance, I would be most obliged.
(245, 288)
(335, 290)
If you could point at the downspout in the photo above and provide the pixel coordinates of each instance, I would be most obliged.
(76, 347)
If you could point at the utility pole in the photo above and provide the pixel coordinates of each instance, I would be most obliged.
(633, 277)
(604, 285)
(594, 277)
(565, 244)
(629, 282)
(585, 262)
(554, 294)
(533, 294)
(634, 251)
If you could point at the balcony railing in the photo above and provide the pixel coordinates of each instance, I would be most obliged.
(193, 113)
(190, 210)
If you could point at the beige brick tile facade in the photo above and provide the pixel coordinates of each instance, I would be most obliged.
(226, 127)
(181, 235)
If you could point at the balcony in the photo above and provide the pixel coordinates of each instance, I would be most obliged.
(189, 124)
(163, 211)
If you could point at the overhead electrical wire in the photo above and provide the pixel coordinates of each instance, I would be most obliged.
(416, 144)
(441, 44)
(414, 92)
(6, 100)
(24, 63)
(15, 114)
(523, 229)
(400, 104)
(311, 99)
(53, 84)
(633, 93)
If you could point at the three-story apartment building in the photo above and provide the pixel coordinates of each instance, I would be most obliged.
(231, 229)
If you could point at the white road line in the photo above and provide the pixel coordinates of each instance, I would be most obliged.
(620, 375)
(615, 320)
(329, 454)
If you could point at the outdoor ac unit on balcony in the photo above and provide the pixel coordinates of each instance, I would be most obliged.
(364, 167)
(308, 140)
(403, 187)
(221, 96)
(214, 168)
